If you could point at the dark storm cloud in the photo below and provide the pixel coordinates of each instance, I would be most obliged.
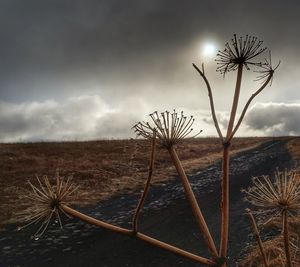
(51, 47)
(55, 55)
(274, 118)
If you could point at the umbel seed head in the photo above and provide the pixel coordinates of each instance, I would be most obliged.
(267, 70)
(46, 202)
(241, 51)
(275, 196)
(170, 128)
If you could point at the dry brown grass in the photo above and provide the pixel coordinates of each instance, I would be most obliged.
(274, 250)
(101, 168)
(274, 247)
(294, 149)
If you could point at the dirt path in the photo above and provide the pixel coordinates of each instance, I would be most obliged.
(166, 217)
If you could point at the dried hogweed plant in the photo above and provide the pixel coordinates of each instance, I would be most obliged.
(171, 129)
(278, 198)
(242, 53)
(168, 129)
(50, 200)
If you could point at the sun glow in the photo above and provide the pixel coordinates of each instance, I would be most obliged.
(209, 50)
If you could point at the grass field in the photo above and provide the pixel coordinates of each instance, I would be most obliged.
(101, 168)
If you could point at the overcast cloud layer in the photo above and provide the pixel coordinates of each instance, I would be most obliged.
(274, 118)
(79, 118)
(73, 69)
(89, 118)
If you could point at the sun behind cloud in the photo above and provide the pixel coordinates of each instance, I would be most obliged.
(209, 49)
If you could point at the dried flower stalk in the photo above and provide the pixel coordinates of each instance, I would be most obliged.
(172, 129)
(147, 185)
(242, 52)
(278, 198)
(49, 201)
(257, 235)
(138, 235)
(266, 74)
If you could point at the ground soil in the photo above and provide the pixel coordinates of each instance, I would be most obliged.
(166, 216)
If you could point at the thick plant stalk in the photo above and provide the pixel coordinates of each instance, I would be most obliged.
(258, 239)
(193, 202)
(147, 185)
(175, 250)
(96, 222)
(286, 238)
(225, 169)
(225, 201)
(241, 52)
(140, 236)
(235, 100)
(247, 105)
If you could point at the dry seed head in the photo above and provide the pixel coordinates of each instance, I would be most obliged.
(267, 70)
(170, 128)
(281, 194)
(241, 51)
(46, 202)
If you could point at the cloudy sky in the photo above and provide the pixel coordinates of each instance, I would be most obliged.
(79, 70)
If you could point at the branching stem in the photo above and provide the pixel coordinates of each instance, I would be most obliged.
(225, 169)
(235, 100)
(256, 232)
(211, 100)
(193, 202)
(147, 185)
(138, 235)
(247, 105)
(225, 201)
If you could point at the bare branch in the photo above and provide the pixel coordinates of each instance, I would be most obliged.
(247, 105)
(266, 73)
(211, 101)
(147, 185)
(256, 232)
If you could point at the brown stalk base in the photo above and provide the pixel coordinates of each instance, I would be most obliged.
(193, 202)
(286, 239)
(146, 187)
(225, 201)
(256, 232)
(138, 235)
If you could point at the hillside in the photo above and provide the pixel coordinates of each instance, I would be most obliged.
(166, 216)
(101, 168)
